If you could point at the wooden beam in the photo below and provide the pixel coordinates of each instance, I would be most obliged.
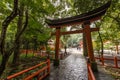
(94, 29)
(76, 31)
(72, 32)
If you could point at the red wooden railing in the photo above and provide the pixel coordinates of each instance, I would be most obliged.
(90, 73)
(115, 59)
(35, 74)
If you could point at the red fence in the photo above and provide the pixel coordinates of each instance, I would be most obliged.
(114, 59)
(35, 74)
(90, 73)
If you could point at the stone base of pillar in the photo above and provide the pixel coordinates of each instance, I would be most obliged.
(56, 62)
(94, 67)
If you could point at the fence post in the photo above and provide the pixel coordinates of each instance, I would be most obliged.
(115, 62)
(48, 64)
(102, 59)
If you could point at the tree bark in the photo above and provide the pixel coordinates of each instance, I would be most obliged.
(3, 64)
(117, 49)
(17, 42)
(101, 43)
(20, 29)
(102, 46)
(6, 22)
(65, 49)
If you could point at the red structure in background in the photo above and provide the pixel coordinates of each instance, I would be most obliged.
(45, 70)
(84, 19)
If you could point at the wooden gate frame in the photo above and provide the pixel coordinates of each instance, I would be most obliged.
(85, 19)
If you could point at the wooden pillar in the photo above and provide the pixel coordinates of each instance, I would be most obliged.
(116, 62)
(56, 62)
(89, 40)
(85, 52)
(87, 32)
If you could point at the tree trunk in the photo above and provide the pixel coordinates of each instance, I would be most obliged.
(4, 62)
(20, 30)
(16, 53)
(117, 49)
(6, 22)
(101, 44)
(65, 49)
(17, 39)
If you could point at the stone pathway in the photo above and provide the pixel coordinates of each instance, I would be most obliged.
(72, 68)
(102, 75)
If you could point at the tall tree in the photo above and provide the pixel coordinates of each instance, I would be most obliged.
(6, 53)
(21, 26)
(35, 26)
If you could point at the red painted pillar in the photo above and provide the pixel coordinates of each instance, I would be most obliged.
(87, 32)
(56, 62)
(89, 41)
(116, 62)
(102, 59)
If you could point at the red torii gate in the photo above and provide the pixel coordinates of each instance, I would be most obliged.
(85, 19)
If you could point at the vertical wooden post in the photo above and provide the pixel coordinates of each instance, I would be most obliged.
(85, 52)
(89, 41)
(102, 59)
(56, 62)
(89, 45)
(115, 62)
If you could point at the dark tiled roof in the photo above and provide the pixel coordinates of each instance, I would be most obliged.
(92, 16)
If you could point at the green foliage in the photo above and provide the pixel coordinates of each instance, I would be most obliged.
(83, 6)
(36, 27)
(110, 25)
(74, 39)
(36, 31)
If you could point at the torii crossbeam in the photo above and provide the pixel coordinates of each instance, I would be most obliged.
(76, 31)
(85, 19)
